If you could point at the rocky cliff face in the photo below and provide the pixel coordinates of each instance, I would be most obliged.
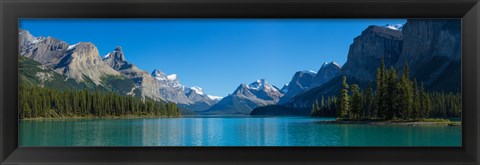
(429, 38)
(83, 61)
(301, 80)
(368, 49)
(247, 97)
(432, 48)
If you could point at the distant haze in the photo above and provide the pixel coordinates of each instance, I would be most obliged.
(216, 54)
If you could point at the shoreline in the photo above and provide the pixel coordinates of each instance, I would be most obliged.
(406, 123)
(100, 117)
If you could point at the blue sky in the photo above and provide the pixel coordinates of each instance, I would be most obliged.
(216, 54)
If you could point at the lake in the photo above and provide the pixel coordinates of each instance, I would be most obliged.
(229, 131)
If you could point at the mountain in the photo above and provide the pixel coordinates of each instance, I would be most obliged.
(170, 88)
(326, 73)
(82, 61)
(367, 50)
(247, 97)
(189, 98)
(301, 80)
(46, 50)
(145, 84)
(432, 49)
(200, 101)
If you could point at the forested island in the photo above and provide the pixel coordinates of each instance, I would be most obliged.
(40, 102)
(396, 98)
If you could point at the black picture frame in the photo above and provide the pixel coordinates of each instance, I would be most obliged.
(12, 10)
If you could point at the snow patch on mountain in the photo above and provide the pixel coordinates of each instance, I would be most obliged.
(197, 90)
(71, 47)
(215, 97)
(172, 77)
(106, 56)
(394, 26)
(326, 64)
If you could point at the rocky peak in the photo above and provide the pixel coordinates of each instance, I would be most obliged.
(260, 89)
(157, 73)
(117, 60)
(171, 80)
(328, 71)
(300, 81)
(247, 97)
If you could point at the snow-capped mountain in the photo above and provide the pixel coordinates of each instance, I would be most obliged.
(192, 98)
(216, 98)
(247, 97)
(300, 81)
(165, 80)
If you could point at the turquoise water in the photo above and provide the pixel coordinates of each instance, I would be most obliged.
(229, 131)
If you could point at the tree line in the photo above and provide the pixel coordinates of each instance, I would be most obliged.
(395, 97)
(38, 102)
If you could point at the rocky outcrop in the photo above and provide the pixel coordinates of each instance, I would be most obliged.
(367, 50)
(245, 98)
(117, 60)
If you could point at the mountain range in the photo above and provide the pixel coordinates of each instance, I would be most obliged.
(60, 62)
(431, 48)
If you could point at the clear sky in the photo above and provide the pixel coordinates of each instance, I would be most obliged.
(216, 54)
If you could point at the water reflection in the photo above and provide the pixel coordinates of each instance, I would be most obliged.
(229, 131)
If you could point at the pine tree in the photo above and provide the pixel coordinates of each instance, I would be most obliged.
(406, 94)
(356, 102)
(416, 101)
(368, 108)
(391, 103)
(344, 100)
